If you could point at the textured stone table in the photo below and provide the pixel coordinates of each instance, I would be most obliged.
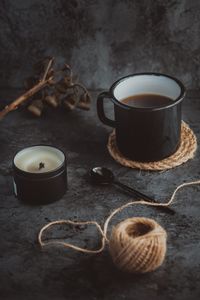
(27, 273)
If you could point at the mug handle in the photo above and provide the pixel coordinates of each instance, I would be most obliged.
(100, 109)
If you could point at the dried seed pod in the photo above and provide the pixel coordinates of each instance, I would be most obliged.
(66, 70)
(52, 100)
(36, 107)
(84, 102)
(69, 101)
(67, 80)
(60, 87)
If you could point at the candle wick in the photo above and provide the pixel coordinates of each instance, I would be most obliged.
(41, 165)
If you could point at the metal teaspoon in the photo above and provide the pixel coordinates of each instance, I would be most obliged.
(104, 176)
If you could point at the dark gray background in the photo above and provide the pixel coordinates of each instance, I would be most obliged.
(102, 40)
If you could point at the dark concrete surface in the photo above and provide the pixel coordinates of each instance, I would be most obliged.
(102, 40)
(56, 273)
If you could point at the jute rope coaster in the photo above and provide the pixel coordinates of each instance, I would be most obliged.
(186, 151)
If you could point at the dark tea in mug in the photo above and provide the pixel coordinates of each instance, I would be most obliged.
(147, 100)
(147, 115)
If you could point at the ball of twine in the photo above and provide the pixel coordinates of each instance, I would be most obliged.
(138, 245)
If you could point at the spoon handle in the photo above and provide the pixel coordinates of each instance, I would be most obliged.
(144, 197)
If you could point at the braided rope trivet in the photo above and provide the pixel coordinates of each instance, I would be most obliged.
(186, 150)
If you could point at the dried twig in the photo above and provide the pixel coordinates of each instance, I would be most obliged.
(47, 69)
(59, 83)
(40, 85)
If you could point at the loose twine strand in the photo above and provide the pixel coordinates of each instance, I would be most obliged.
(104, 231)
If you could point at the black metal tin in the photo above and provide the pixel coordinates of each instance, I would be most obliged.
(40, 188)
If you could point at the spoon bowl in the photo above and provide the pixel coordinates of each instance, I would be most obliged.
(101, 176)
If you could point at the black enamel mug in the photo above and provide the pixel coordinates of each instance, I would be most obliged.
(145, 133)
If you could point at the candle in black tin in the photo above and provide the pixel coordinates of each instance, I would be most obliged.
(40, 174)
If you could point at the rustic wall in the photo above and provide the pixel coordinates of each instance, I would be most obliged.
(102, 40)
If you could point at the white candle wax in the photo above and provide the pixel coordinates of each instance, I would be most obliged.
(39, 159)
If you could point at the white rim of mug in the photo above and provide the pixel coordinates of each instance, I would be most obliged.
(175, 101)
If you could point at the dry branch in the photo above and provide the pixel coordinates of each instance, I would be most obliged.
(58, 92)
(40, 85)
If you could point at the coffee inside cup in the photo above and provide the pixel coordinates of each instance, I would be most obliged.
(147, 91)
(147, 101)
